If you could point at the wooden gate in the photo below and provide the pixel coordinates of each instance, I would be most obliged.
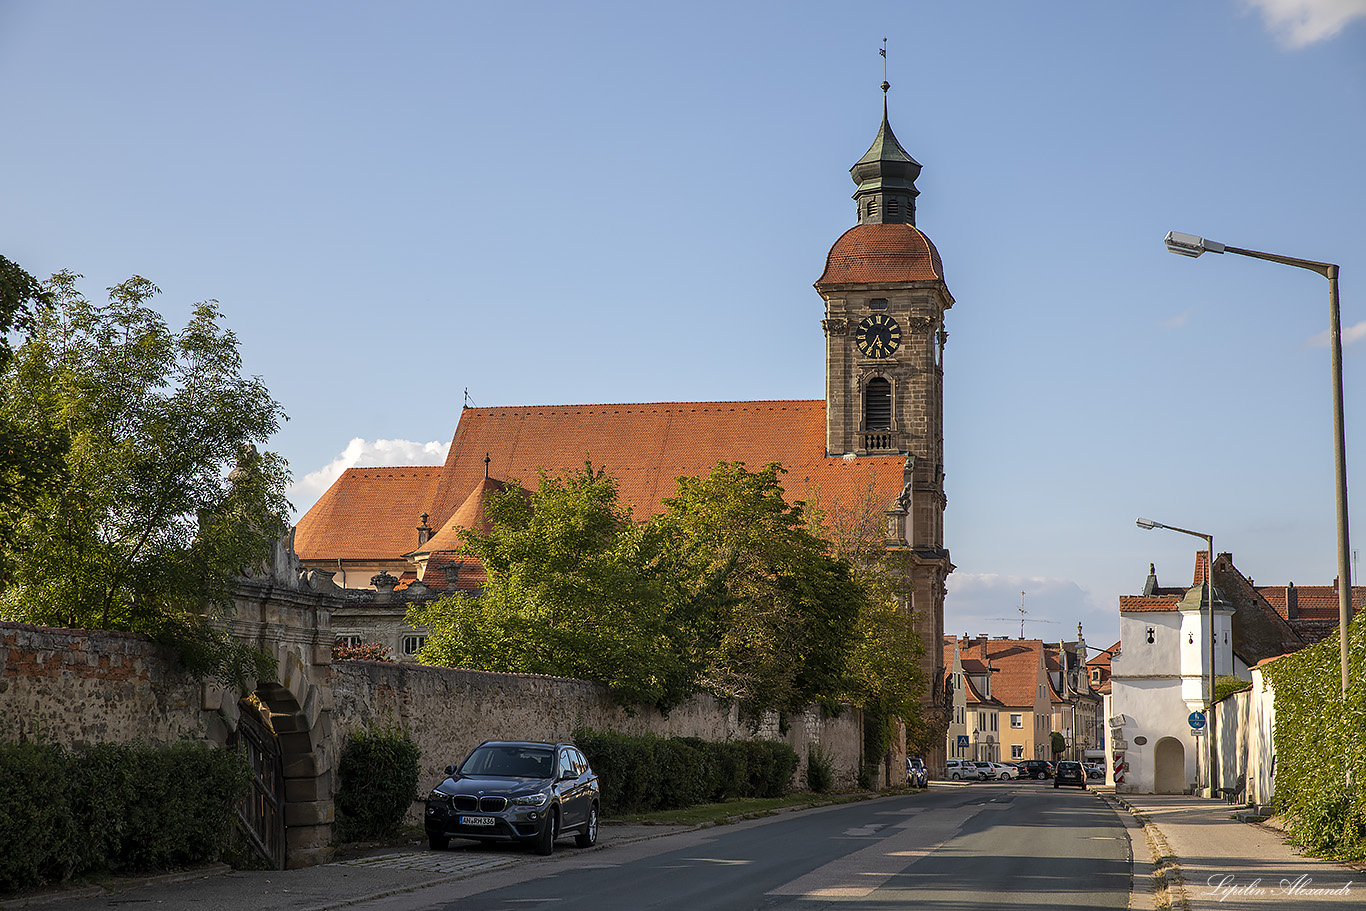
(261, 816)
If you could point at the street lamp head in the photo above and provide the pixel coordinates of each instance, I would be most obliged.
(1191, 245)
(1146, 523)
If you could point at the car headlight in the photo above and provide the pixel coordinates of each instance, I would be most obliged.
(437, 795)
(531, 800)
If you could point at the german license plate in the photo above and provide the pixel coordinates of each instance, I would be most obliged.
(476, 820)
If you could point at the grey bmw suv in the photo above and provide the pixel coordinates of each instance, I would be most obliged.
(516, 792)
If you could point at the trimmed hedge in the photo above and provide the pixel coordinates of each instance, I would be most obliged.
(640, 774)
(116, 808)
(376, 783)
(1320, 741)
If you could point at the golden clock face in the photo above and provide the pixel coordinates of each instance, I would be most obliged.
(878, 335)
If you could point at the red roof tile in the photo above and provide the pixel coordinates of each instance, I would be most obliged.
(367, 513)
(1015, 663)
(646, 447)
(1148, 603)
(881, 254)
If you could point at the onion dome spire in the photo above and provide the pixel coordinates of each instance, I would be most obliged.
(886, 178)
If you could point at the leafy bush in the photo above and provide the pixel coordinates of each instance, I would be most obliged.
(820, 773)
(640, 774)
(1320, 750)
(120, 808)
(377, 783)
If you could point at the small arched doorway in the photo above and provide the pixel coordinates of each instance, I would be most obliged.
(1169, 766)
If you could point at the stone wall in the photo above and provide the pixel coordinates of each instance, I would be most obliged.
(449, 711)
(81, 687)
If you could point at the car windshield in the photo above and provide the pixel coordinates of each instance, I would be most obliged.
(510, 762)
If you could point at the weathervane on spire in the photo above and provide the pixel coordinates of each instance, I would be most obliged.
(883, 51)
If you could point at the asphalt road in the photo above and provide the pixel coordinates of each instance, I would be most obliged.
(984, 845)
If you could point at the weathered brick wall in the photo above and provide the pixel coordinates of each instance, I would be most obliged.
(450, 711)
(78, 687)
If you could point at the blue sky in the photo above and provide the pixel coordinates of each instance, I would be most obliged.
(598, 202)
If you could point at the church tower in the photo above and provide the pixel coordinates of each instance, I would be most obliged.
(885, 300)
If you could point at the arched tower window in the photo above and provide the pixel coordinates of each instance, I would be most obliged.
(877, 405)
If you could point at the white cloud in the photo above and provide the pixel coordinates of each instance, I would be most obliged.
(361, 453)
(1300, 23)
(1350, 336)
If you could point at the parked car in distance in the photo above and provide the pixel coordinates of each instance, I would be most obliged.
(917, 776)
(1094, 770)
(1069, 771)
(531, 793)
(1036, 768)
(985, 769)
(961, 770)
(1005, 771)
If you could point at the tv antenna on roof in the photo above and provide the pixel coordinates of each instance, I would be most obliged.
(1023, 614)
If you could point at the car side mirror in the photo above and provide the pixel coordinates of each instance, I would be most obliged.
(452, 771)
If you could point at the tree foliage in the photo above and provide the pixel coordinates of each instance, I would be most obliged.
(771, 611)
(30, 456)
(730, 591)
(568, 594)
(148, 528)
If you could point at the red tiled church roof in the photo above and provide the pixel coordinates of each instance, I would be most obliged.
(646, 447)
(368, 513)
(881, 254)
(373, 512)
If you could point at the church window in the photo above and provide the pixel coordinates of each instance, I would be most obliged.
(877, 405)
(878, 303)
(349, 641)
(413, 644)
(892, 206)
(872, 207)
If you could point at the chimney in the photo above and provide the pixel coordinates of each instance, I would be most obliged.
(1292, 602)
(424, 531)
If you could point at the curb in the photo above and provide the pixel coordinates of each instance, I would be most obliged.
(1168, 885)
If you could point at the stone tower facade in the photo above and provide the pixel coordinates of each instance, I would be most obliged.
(885, 301)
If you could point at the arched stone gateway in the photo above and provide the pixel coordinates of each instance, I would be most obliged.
(287, 614)
(1169, 766)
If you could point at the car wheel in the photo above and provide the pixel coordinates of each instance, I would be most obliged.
(589, 836)
(1039, 775)
(954, 776)
(438, 842)
(545, 842)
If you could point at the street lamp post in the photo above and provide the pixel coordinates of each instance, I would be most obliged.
(1191, 245)
(1149, 524)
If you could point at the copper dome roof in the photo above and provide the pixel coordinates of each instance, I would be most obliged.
(881, 254)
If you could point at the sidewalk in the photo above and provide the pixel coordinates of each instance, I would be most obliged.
(335, 885)
(1211, 860)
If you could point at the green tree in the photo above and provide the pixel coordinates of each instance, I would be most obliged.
(885, 678)
(148, 530)
(30, 457)
(1058, 743)
(568, 593)
(769, 610)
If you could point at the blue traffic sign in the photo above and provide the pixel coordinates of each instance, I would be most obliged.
(1197, 720)
(962, 740)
